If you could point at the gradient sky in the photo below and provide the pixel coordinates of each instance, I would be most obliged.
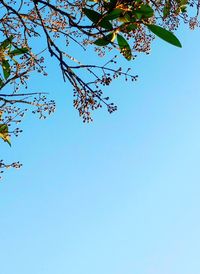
(120, 195)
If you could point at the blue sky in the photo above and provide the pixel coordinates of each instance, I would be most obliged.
(120, 195)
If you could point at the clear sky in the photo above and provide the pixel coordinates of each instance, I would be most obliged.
(120, 195)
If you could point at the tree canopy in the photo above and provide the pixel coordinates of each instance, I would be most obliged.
(107, 26)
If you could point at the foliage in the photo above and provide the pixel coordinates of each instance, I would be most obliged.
(123, 27)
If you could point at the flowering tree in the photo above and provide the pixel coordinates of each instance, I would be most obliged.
(122, 27)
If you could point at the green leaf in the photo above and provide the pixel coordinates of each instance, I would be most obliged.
(128, 27)
(138, 15)
(6, 42)
(92, 15)
(6, 68)
(182, 6)
(96, 18)
(4, 133)
(113, 14)
(124, 18)
(124, 47)
(164, 34)
(166, 10)
(1, 83)
(18, 51)
(184, 2)
(144, 11)
(184, 9)
(105, 40)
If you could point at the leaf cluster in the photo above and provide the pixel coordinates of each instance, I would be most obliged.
(7, 53)
(124, 17)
